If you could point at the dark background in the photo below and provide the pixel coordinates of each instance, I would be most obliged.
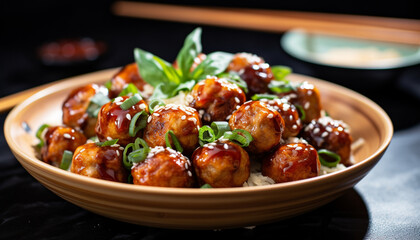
(381, 206)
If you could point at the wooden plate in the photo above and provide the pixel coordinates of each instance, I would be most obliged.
(198, 208)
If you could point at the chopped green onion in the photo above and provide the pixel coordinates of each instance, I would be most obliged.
(108, 84)
(264, 96)
(302, 112)
(154, 103)
(139, 152)
(206, 135)
(129, 89)
(107, 143)
(39, 135)
(94, 139)
(206, 186)
(133, 100)
(328, 158)
(133, 129)
(283, 86)
(234, 78)
(219, 128)
(240, 136)
(95, 104)
(280, 72)
(66, 160)
(175, 141)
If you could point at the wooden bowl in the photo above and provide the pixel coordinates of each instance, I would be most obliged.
(198, 208)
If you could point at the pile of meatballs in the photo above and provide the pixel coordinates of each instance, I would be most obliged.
(284, 144)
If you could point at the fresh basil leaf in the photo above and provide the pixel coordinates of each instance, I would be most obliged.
(215, 63)
(280, 72)
(163, 91)
(185, 86)
(155, 70)
(282, 86)
(192, 47)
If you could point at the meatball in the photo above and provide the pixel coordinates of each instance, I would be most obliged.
(58, 139)
(290, 115)
(217, 98)
(182, 120)
(75, 106)
(330, 134)
(253, 70)
(163, 167)
(221, 164)
(265, 125)
(99, 162)
(291, 162)
(306, 96)
(129, 74)
(114, 122)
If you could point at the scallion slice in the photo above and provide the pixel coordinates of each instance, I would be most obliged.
(264, 96)
(139, 152)
(328, 158)
(175, 141)
(219, 128)
(206, 135)
(302, 113)
(130, 89)
(66, 160)
(107, 143)
(240, 136)
(154, 103)
(206, 186)
(39, 135)
(133, 100)
(134, 127)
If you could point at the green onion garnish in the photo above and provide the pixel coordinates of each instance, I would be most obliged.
(66, 160)
(234, 78)
(39, 133)
(154, 103)
(133, 100)
(95, 104)
(206, 135)
(240, 136)
(206, 186)
(302, 112)
(175, 141)
(219, 128)
(264, 96)
(139, 152)
(130, 89)
(108, 84)
(133, 129)
(107, 143)
(328, 158)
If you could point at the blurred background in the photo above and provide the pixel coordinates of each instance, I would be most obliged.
(29, 211)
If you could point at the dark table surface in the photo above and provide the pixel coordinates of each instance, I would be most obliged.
(384, 205)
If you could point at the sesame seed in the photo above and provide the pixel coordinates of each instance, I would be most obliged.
(307, 105)
(109, 138)
(247, 107)
(149, 119)
(128, 116)
(66, 135)
(316, 130)
(183, 117)
(270, 115)
(225, 146)
(237, 100)
(324, 134)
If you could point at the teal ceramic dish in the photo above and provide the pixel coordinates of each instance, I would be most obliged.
(355, 63)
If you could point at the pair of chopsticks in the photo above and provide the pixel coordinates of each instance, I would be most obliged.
(406, 31)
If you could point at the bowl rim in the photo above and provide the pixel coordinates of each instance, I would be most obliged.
(287, 45)
(13, 114)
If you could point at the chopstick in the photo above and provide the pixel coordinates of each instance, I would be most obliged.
(406, 31)
(8, 102)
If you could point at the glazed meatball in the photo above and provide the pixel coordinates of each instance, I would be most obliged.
(75, 106)
(129, 74)
(306, 96)
(182, 120)
(163, 167)
(58, 139)
(253, 70)
(330, 134)
(291, 162)
(221, 164)
(99, 162)
(216, 99)
(265, 125)
(290, 115)
(114, 122)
